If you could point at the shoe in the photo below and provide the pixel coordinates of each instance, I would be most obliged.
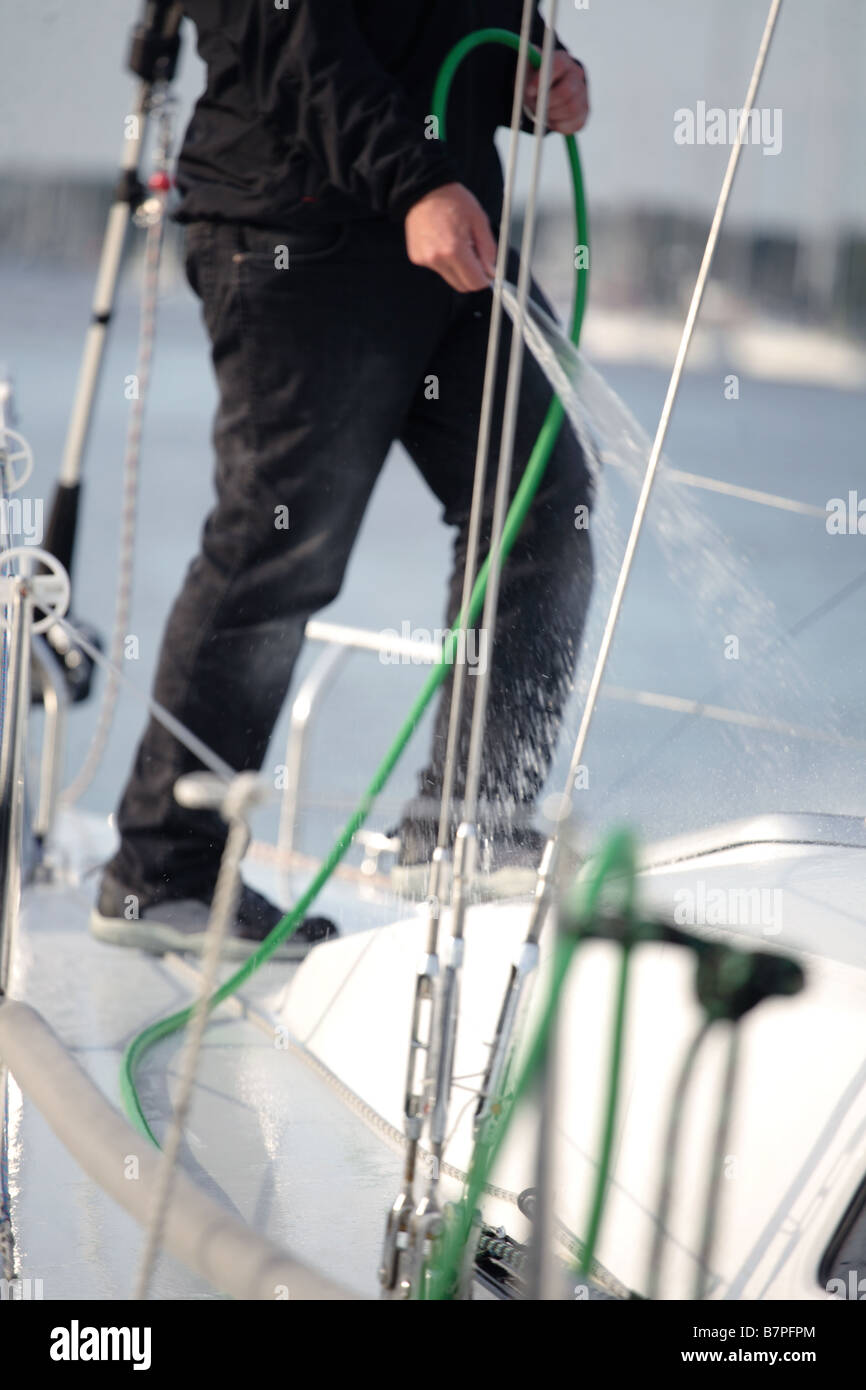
(507, 864)
(180, 924)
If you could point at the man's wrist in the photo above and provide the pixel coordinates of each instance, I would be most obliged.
(438, 178)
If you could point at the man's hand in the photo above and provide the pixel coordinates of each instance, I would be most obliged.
(448, 231)
(568, 107)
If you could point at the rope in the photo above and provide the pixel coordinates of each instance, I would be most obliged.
(131, 471)
(223, 910)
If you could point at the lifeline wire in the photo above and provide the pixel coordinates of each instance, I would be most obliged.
(183, 735)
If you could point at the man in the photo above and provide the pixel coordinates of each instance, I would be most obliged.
(311, 144)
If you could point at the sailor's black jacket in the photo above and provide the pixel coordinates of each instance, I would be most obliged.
(318, 110)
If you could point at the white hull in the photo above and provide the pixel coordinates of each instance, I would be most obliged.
(303, 1141)
(797, 1149)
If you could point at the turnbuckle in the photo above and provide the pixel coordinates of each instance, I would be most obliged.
(394, 1273)
(523, 969)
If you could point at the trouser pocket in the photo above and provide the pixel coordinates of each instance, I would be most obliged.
(275, 248)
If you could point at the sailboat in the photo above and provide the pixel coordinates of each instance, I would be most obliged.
(637, 1083)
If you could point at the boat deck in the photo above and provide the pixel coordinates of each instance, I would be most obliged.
(271, 1135)
(266, 1135)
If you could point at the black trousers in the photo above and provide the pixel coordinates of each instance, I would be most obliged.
(320, 366)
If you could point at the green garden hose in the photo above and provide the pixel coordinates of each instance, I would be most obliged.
(526, 490)
(615, 863)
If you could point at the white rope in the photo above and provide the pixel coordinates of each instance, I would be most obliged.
(131, 471)
(223, 908)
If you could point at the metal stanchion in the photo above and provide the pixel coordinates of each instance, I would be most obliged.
(20, 594)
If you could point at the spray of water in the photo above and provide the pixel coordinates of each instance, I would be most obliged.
(699, 559)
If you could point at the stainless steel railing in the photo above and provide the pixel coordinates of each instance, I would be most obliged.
(338, 641)
(22, 592)
(14, 702)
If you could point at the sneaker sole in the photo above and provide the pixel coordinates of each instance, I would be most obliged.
(158, 938)
(411, 881)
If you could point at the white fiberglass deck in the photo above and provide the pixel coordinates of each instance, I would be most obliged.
(274, 1139)
(266, 1135)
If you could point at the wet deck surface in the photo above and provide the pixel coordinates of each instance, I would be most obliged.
(266, 1135)
(276, 1143)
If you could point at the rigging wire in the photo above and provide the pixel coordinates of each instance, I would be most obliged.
(615, 859)
(509, 420)
(196, 746)
(549, 871)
